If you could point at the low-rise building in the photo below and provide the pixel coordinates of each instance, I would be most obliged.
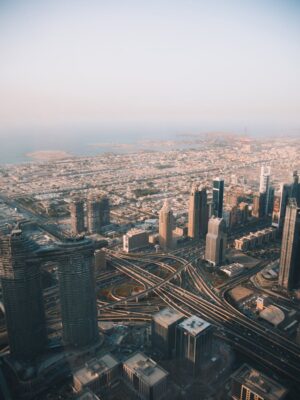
(232, 270)
(248, 383)
(146, 377)
(135, 239)
(256, 239)
(97, 374)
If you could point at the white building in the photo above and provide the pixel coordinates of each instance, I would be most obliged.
(135, 239)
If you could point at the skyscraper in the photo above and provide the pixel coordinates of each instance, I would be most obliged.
(198, 213)
(264, 186)
(259, 205)
(289, 269)
(77, 215)
(104, 211)
(93, 213)
(295, 187)
(216, 241)
(218, 194)
(77, 292)
(166, 221)
(279, 208)
(194, 342)
(22, 295)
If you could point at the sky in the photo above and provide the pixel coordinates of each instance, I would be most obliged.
(183, 65)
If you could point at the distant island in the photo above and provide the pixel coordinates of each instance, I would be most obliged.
(45, 155)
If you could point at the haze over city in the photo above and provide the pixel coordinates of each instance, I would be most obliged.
(150, 200)
(165, 66)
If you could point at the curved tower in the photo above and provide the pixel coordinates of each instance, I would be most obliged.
(77, 292)
(22, 295)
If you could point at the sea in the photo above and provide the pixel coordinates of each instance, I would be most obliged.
(15, 148)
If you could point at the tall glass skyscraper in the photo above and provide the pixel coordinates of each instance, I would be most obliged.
(289, 271)
(218, 194)
(22, 295)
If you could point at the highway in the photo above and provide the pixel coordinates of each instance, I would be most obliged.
(245, 334)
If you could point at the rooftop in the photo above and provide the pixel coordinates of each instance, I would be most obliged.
(167, 316)
(146, 369)
(194, 325)
(87, 395)
(274, 315)
(260, 383)
(95, 368)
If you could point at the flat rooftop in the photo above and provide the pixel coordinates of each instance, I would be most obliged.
(260, 383)
(87, 395)
(145, 368)
(167, 316)
(95, 368)
(194, 325)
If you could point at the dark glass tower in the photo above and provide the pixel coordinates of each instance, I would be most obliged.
(77, 292)
(77, 216)
(289, 272)
(218, 194)
(198, 213)
(22, 295)
(104, 211)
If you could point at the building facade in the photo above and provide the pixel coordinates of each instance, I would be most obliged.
(145, 377)
(198, 213)
(163, 330)
(104, 210)
(77, 216)
(289, 267)
(22, 295)
(77, 292)
(194, 343)
(135, 239)
(166, 222)
(218, 195)
(216, 241)
(249, 384)
(93, 213)
(97, 374)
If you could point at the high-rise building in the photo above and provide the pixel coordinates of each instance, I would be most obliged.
(295, 187)
(264, 183)
(279, 208)
(93, 214)
(289, 267)
(163, 330)
(166, 221)
(259, 205)
(287, 191)
(216, 241)
(198, 213)
(77, 292)
(77, 215)
(264, 186)
(194, 342)
(218, 194)
(104, 211)
(249, 384)
(22, 295)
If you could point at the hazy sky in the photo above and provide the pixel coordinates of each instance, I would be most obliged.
(215, 64)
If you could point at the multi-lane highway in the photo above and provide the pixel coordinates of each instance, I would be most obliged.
(245, 334)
